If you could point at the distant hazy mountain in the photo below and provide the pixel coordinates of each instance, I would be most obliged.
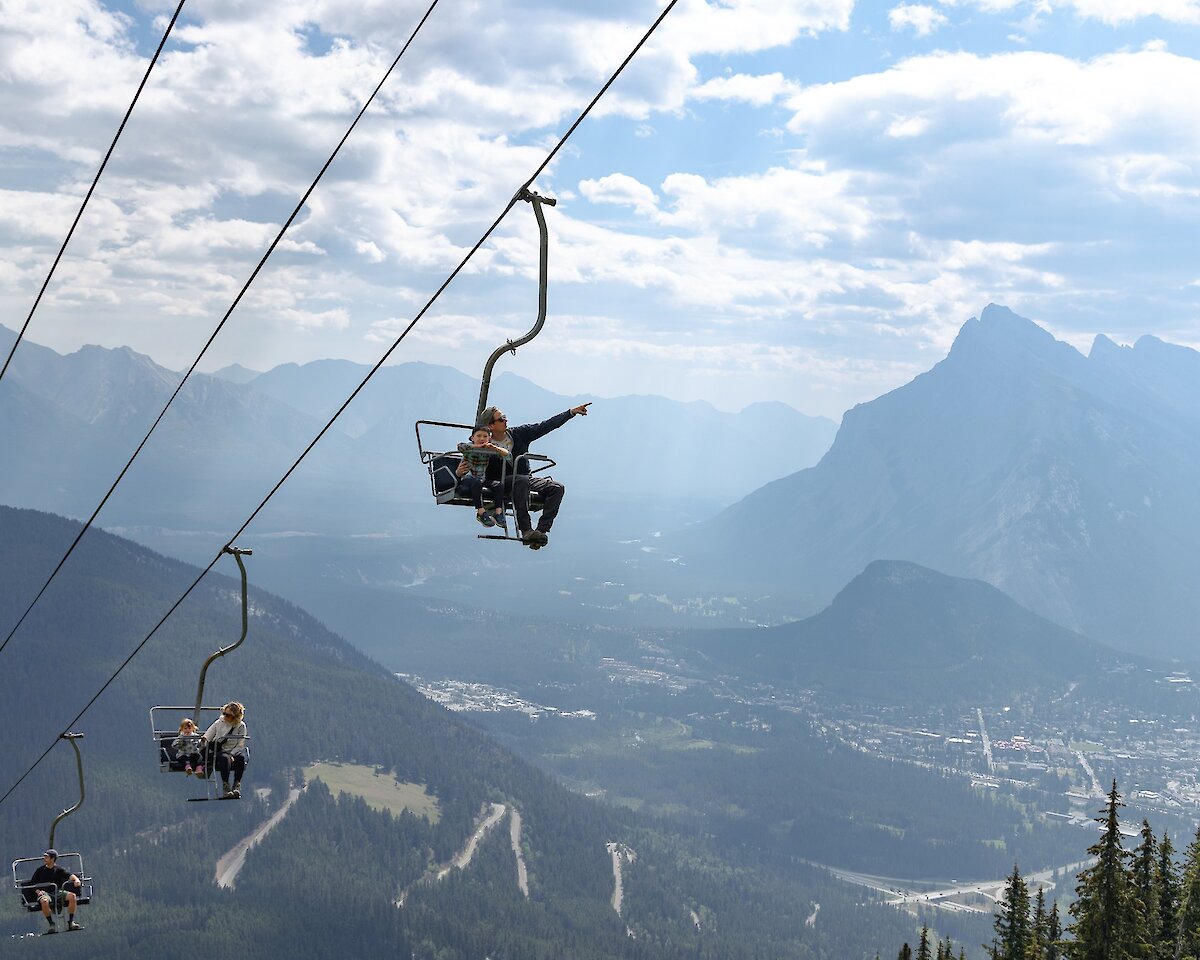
(899, 631)
(236, 373)
(629, 446)
(1067, 481)
(71, 422)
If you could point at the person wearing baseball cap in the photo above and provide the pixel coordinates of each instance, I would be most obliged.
(54, 887)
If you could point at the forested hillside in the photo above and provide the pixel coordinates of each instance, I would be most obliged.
(325, 881)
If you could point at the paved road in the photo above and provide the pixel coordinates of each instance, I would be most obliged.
(903, 891)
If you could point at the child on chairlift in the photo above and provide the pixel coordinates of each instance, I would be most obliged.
(187, 747)
(477, 453)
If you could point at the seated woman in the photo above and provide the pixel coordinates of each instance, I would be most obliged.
(227, 737)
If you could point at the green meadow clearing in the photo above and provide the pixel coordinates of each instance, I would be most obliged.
(380, 790)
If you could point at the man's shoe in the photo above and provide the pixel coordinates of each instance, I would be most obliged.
(49, 930)
(73, 925)
(538, 537)
(533, 539)
(228, 791)
(486, 519)
(236, 792)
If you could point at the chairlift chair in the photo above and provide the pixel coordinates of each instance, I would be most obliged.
(22, 871)
(72, 862)
(165, 720)
(443, 477)
(442, 462)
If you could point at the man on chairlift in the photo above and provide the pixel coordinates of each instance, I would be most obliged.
(53, 886)
(517, 440)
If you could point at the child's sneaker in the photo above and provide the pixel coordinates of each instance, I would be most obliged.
(200, 770)
(187, 769)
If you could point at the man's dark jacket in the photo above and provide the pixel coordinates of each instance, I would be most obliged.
(522, 437)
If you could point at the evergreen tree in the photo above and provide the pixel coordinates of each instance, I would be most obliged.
(1037, 931)
(905, 953)
(1012, 920)
(1187, 925)
(1108, 923)
(1145, 878)
(1053, 939)
(1167, 880)
(923, 945)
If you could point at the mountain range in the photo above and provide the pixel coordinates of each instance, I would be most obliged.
(1067, 481)
(71, 422)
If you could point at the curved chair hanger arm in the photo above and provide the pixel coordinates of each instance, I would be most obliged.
(70, 738)
(237, 553)
(510, 346)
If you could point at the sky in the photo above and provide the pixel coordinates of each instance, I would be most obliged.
(791, 200)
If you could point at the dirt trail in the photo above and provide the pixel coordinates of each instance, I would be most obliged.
(230, 865)
(619, 853)
(462, 859)
(514, 831)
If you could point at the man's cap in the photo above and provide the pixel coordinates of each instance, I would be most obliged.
(488, 415)
(52, 853)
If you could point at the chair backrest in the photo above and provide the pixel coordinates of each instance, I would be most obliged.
(442, 471)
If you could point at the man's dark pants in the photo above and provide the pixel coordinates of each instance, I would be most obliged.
(551, 492)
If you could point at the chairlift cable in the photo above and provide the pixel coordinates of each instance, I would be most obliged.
(516, 197)
(104, 163)
(241, 293)
(404, 333)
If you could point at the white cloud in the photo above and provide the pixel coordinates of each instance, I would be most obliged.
(744, 26)
(901, 128)
(1143, 96)
(1114, 13)
(918, 17)
(622, 190)
(369, 251)
(1153, 177)
(798, 206)
(756, 90)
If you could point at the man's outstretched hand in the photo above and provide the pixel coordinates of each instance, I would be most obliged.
(581, 410)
